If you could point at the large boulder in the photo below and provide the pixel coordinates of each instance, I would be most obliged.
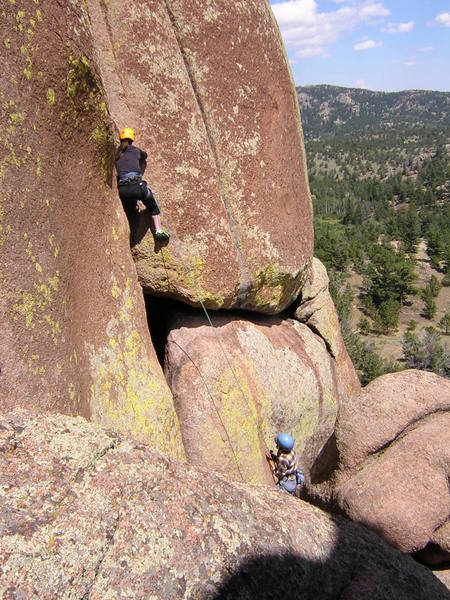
(393, 441)
(316, 309)
(89, 514)
(74, 335)
(236, 385)
(209, 91)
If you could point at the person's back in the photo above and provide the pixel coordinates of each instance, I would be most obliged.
(285, 463)
(129, 160)
(130, 165)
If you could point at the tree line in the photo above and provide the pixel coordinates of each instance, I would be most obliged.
(374, 226)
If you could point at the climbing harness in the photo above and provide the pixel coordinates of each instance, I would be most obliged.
(200, 300)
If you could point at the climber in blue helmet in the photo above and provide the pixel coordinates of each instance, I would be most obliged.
(284, 463)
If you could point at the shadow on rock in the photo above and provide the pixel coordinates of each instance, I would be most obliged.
(140, 222)
(360, 567)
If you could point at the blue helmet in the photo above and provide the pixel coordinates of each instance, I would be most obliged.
(285, 441)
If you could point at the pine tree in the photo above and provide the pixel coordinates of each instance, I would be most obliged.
(444, 323)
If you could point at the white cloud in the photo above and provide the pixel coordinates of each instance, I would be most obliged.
(318, 51)
(410, 63)
(309, 31)
(400, 27)
(427, 49)
(366, 45)
(361, 84)
(443, 19)
(373, 10)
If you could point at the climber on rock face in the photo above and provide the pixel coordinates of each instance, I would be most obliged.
(130, 166)
(284, 463)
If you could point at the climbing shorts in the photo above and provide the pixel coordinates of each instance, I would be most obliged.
(132, 187)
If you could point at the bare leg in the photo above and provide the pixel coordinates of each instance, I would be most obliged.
(156, 222)
(160, 233)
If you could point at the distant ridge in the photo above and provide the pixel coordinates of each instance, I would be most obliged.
(329, 110)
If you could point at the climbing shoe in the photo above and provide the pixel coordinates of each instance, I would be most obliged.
(162, 234)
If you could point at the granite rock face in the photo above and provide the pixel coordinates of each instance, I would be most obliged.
(89, 514)
(74, 335)
(237, 385)
(394, 461)
(214, 105)
(317, 310)
(209, 91)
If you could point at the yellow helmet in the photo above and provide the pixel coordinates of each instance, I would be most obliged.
(127, 134)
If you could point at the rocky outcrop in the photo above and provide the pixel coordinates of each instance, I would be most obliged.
(74, 332)
(88, 514)
(236, 385)
(214, 105)
(394, 455)
(317, 310)
(211, 96)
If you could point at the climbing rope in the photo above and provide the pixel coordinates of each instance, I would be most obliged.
(215, 406)
(238, 385)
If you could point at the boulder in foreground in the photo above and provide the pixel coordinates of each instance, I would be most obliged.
(88, 514)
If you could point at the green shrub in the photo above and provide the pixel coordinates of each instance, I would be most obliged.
(364, 326)
(412, 324)
(426, 351)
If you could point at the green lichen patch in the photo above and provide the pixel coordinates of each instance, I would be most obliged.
(88, 102)
(126, 395)
(51, 96)
(275, 288)
(80, 77)
(179, 271)
(238, 395)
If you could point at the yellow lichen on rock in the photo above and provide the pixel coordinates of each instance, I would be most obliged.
(236, 403)
(124, 395)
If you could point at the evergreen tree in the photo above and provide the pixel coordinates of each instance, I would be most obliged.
(389, 313)
(430, 308)
(389, 276)
(434, 286)
(410, 233)
(444, 323)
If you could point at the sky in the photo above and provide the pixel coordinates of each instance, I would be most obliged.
(390, 45)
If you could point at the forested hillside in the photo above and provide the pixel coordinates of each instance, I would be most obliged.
(379, 173)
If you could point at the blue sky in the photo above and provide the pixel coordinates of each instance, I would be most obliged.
(385, 45)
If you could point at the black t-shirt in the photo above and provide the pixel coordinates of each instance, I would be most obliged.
(129, 160)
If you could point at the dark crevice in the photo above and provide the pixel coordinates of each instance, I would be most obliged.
(317, 332)
(160, 311)
(433, 556)
(164, 313)
(326, 461)
(292, 309)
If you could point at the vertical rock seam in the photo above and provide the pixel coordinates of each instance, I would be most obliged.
(104, 13)
(245, 279)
